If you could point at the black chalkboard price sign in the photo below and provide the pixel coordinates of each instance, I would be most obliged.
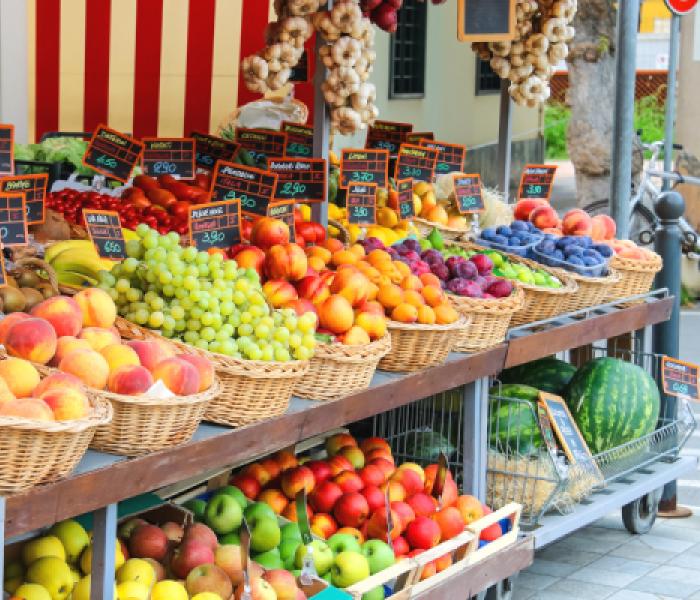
(536, 181)
(416, 162)
(112, 153)
(7, 149)
(13, 219)
(362, 203)
(300, 139)
(680, 378)
(485, 20)
(261, 142)
(168, 156)
(468, 193)
(302, 180)
(284, 211)
(105, 230)
(450, 156)
(253, 187)
(34, 189)
(387, 135)
(364, 166)
(300, 72)
(404, 188)
(215, 225)
(416, 136)
(209, 149)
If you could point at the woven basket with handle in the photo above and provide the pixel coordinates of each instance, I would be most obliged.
(636, 276)
(591, 291)
(449, 233)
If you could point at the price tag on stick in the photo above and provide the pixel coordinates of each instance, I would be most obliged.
(440, 478)
(404, 187)
(105, 230)
(300, 139)
(387, 135)
(209, 149)
(416, 162)
(450, 156)
(13, 219)
(308, 569)
(262, 142)
(112, 153)
(7, 149)
(215, 225)
(34, 189)
(299, 179)
(245, 560)
(536, 182)
(364, 166)
(169, 156)
(468, 193)
(284, 211)
(680, 378)
(362, 203)
(253, 187)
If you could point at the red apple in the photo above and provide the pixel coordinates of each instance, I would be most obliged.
(450, 521)
(409, 479)
(373, 443)
(422, 504)
(296, 479)
(470, 508)
(374, 496)
(283, 583)
(351, 510)
(199, 532)
(324, 496)
(377, 527)
(258, 472)
(189, 555)
(148, 541)
(386, 466)
(320, 469)
(354, 455)
(423, 533)
(338, 441)
(405, 513)
(372, 475)
(401, 547)
(338, 464)
(323, 525)
(349, 481)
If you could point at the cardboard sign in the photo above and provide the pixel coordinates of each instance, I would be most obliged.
(485, 20)
(387, 135)
(362, 203)
(7, 149)
(253, 187)
(416, 162)
(364, 166)
(450, 156)
(302, 180)
(468, 193)
(416, 136)
(300, 72)
(112, 153)
(13, 219)
(300, 139)
(105, 230)
(404, 187)
(549, 438)
(34, 189)
(215, 225)
(536, 181)
(261, 142)
(168, 156)
(680, 378)
(209, 149)
(284, 211)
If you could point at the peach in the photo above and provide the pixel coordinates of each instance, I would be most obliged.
(457, 222)
(426, 315)
(411, 282)
(275, 499)
(33, 339)
(251, 258)
(316, 263)
(286, 261)
(97, 307)
(405, 313)
(335, 314)
(603, 228)
(34, 409)
(63, 313)
(8, 321)
(544, 216)
(65, 345)
(119, 355)
(88, 366)
(268, 232)
(20, 376)
(577, 222)
(355, 336)
(352, 285)
(445, 314)
(179, 376)
(205, 368)
(130, 380)
(555, 231)
(58, 380)
(279, 293)
(332, 244)
(67, 404)
(313, 288)
(370, 306)
(99, 337)
(150, 352)
(414, 298)
(6, 394)
(390, 296)
(523, 208)
(323, 254)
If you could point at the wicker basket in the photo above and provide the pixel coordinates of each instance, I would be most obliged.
(449, 233)
(636, 276)
(490, 319)
(415, 347)
(592, 291)
(36, 452)
(337, 370)
(250, 390)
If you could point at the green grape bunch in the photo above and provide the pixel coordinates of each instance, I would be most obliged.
(204, 300)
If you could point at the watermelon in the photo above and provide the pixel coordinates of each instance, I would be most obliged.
(513, 426)
(547, 374)
(613, 402)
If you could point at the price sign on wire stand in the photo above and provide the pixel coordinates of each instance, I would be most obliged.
(536, 182)
(415, 137)
(209, 149)
(362, 203)
(7, 149)
(105, 230)
(34, 189)
(468, 193)
(261, 142)
(450, 156)
(300, 139)
(13, 219)
(168, 156)
(387, 135)
(302, 180)
(404, 187)
(284, 211)
(215, 225)
(364, 166)
(416, 162)
(253, 187)
(112, 153)
(680, 378)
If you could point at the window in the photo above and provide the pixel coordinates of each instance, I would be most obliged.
(407, 74)
(487, 82)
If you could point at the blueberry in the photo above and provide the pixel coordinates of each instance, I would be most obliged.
(503, 230)
(558, 254)
(532, 227)
(576, 260)
(594, 254)
(572, 250)
(546, 247)
(488, 232)
(590, 261)
(603, 250)
(585, 241)
(519, 225)
(549, 236)
(513, 241)
(500, 239)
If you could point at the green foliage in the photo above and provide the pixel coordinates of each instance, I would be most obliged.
(649, 116)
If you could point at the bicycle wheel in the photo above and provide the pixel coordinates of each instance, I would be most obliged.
(643, 218)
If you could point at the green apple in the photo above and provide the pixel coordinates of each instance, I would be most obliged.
(288, 548)
(233, 538)
(379, 555)
(223, 514)
(234, 492)
(295, 572)
(328, 577)
(14, 576)
(197, 506)
(258, 509)
(374, 594)
(349, 568)
(270, 559)
(52, 573)
(264, 533)
(73, 537)
(291, 531)
(343, 542)
(32, 591)
(322, 556)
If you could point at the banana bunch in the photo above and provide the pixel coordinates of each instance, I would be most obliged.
(76, 262)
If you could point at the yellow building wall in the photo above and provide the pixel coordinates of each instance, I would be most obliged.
(653, 11)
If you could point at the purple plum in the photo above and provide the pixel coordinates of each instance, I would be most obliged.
(412, 245)
(500, 289)
(464, 287)
(481, 282)
(411, 256)
(465, 270)
(432, 255)
(440, 271)
(483, 263)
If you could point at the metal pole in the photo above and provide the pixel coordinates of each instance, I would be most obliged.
(671, 97)
(322, 127)
(505, 139)
(669, 207)
(104, 541)
(475, 437)
(623, 123)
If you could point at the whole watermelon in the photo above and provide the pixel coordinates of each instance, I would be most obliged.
(547, 374)
(513, 426)
(613, 402)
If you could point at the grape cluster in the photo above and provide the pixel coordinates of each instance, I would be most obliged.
(204, 300)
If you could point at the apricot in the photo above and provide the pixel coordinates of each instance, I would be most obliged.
(130, 380)
(205, 368)
(405, 313)
(430, 279)
(58, 380)
(445, 314)
(344, 257)
(150, 352)
(20, 376)
(34, 409)
(414, 298)
(65, 345)
(352, 285)
(433, 295)
(67, 404)
(372, 323)
(97, 307)
(402, 268)
(33, 339)
(377, 256)
(179, 376)
(358, 250)
(355, 336)
(316, 263)
(332, 244)
(411, 282)
(335, 314)
(6, 394)
(88, 366)
(118, 355)
(390, 296)
(320, 252)
(9, 321)
(63, 313)
(426, 315)
(372, 291)
(99, 337)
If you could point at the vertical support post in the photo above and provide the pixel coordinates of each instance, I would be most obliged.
(623, 123)
(103, 555)
(2, 539)
(475, 437)
(669, 207)
(505, 139)
(670, 119)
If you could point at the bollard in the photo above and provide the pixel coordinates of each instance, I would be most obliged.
(669, 207)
